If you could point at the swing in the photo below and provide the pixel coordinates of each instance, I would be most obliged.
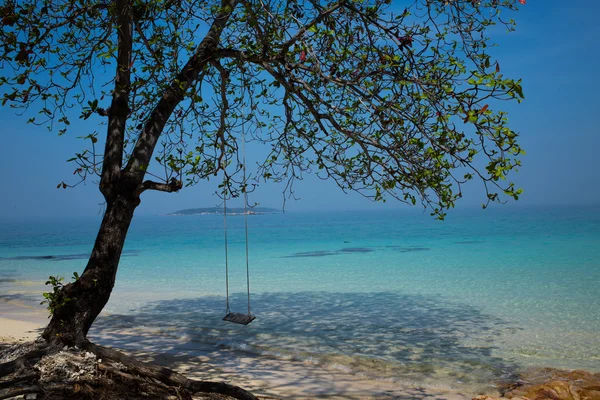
(238, 318)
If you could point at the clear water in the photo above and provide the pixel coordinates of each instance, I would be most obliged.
(393, 294)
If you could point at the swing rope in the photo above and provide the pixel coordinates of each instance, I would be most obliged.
(245, 208)
(228, 313)
(227, 310)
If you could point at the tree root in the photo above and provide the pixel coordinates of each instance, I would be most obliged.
(4, 384)
(116, 376)
(24, 361)
(170, 377)
(18, 391)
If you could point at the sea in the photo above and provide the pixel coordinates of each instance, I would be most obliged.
(393, 294)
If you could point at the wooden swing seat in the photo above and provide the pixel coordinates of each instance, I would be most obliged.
(238, 318)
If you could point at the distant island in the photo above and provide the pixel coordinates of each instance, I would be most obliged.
(230, 211)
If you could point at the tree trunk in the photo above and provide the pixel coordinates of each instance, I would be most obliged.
(79, 303)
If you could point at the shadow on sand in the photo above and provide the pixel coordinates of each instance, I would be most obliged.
(396, 337)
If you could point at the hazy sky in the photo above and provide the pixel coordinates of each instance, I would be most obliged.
(555, 50)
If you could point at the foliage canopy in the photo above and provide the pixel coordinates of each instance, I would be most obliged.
(386, 98)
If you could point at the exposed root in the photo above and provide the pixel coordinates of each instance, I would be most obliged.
(18, 391)
(17, 362)
(19, 380)
(170, 377)
(96, 372)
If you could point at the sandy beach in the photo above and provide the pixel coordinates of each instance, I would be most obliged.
(268, 378)
(14, 330)
(21, 317)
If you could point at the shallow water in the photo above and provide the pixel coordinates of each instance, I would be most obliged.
(390, 294)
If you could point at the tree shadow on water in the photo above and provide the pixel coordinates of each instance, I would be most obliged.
(385, 335)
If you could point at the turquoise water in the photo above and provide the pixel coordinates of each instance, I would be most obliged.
(394, 294)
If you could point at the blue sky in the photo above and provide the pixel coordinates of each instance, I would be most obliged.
(554, 50)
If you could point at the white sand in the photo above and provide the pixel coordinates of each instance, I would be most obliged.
(20, 321)
(12, 330)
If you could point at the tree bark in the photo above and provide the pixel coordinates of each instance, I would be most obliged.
(79, 303)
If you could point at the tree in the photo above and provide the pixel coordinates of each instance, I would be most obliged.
(390, 100)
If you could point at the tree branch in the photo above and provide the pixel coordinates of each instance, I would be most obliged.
(153, 128)
(174, 185)
(322, 15)
(224, 110)
(119, 108)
